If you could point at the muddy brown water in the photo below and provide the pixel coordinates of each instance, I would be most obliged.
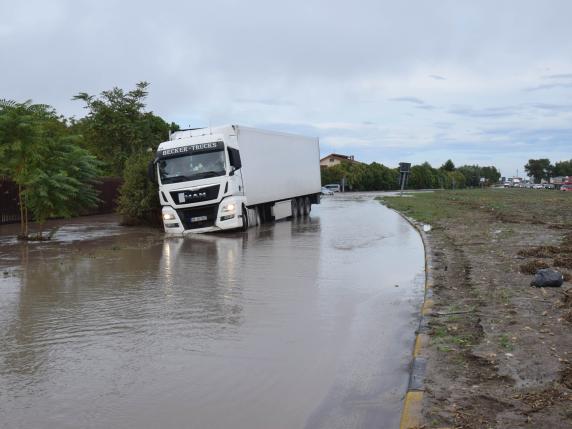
(301, 324)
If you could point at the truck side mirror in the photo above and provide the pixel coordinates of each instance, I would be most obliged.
(234, 158)
(232, 170)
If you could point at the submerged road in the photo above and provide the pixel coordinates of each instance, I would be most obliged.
(301, 324)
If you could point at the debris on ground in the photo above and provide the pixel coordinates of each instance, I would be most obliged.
(547, 278)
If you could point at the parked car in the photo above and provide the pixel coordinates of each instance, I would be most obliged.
(335, 187)
(567, 188)
(548, 186)
(326, 191)
(538, 186)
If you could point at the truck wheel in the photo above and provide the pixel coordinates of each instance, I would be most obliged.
(307, 206)
(253, 216)
(244, 219)
(294, 208)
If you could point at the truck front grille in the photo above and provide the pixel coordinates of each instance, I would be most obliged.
(199, 195)
(198, 217)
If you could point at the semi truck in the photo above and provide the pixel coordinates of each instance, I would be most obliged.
(233, 177)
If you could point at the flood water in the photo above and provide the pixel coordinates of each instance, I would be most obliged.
(301, 324)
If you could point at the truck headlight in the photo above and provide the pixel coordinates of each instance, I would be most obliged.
(229, 208)
(228, 211)
(169, 216)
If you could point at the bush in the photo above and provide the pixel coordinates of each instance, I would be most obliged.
(138, 197)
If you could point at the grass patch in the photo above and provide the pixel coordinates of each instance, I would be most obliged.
(531, 267)
(448, 339)
(504, 296)
(540, 251)
(505, 343)
(506, 205)
(563, 261)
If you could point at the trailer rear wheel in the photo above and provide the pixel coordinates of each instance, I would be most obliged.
(294, 208)
(300, 206)
(307, 206)
(257, 216)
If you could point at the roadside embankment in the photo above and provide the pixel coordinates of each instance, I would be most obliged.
(500, 351)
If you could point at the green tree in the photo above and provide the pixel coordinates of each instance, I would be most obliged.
(448, 166)
(491, 174)
(362, 177)
(38, 152)
(538, 169)
(423, 177)
(474, 173)
(117, 126)
(61, 181)
(562, 168)
(138, 197)
(456, 180)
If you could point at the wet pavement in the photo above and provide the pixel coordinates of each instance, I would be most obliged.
(301, 324)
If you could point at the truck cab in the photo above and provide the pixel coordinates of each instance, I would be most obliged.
(200, 182)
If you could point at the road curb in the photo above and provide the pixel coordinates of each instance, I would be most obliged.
(411, 414)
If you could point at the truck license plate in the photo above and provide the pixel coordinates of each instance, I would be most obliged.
(198, 219)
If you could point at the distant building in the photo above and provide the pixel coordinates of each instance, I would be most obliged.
(560, 180)
(336, 158)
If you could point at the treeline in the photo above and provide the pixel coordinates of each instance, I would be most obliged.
(378, 177)
(56, 161)
(543, 169)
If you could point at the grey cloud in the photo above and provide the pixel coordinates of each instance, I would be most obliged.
(558, 76)
(265, 101)
(437, 77)
(419, 104)
(559, 108)
(443, 125)
(542, 138)
(548, 86)
(489, 112)
(414, 100)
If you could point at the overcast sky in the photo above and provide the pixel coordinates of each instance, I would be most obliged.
(487, 82)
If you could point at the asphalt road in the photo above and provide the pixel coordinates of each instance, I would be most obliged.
(301, 324)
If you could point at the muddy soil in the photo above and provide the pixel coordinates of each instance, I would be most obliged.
(501, 350)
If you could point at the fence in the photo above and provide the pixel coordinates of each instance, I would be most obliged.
(9, 210)
(108, 188)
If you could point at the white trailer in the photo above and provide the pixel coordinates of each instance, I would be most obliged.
(233, 177)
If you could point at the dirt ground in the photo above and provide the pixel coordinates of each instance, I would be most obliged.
(501, 351)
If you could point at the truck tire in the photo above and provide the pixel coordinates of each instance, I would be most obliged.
(294, 208)
(244, 219)
(253, 216)
(307, 206)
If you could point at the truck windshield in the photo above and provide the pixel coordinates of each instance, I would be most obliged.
(192, 167)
